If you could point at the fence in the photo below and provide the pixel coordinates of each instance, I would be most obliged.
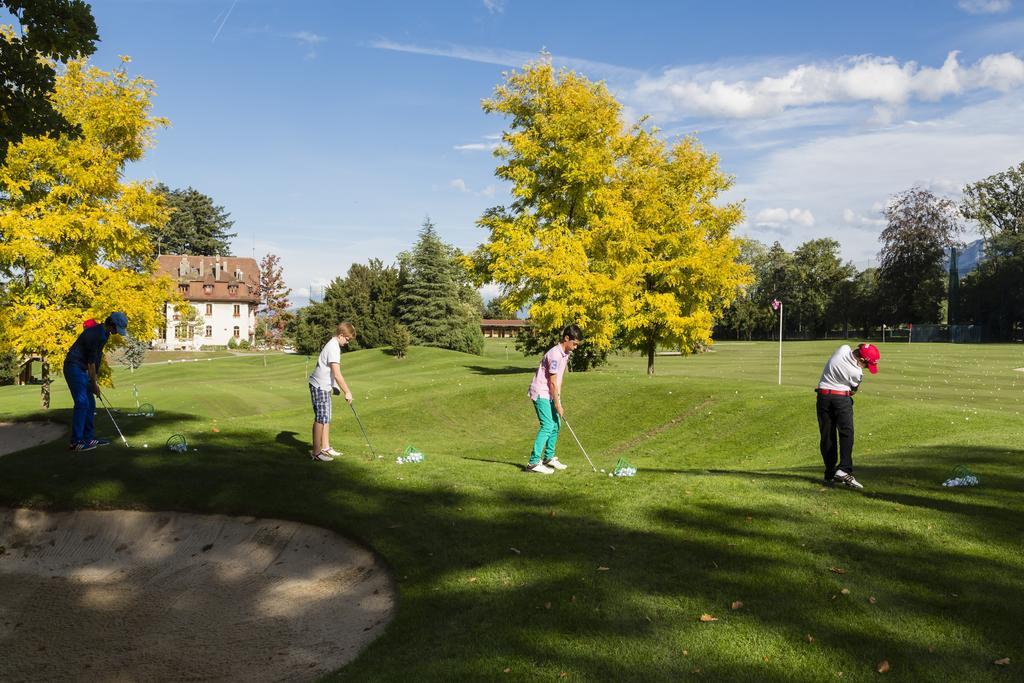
(958, 334)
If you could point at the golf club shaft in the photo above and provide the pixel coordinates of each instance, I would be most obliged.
(360, 423)
(106, 407)
(579, 444)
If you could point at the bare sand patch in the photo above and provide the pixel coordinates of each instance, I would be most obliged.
(127, 595)
(17, 436)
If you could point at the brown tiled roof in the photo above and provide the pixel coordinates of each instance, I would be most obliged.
(213, 278)
(503, 323)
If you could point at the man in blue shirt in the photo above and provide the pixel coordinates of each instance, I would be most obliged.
(80, 368)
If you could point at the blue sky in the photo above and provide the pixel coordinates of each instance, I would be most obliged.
(329, 129)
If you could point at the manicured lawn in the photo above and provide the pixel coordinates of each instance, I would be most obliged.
(605, 578)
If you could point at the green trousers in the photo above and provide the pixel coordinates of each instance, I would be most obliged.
(547, 435)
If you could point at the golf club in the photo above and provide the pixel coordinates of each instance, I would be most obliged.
(579, 444)
(106, 406)
(360, 423)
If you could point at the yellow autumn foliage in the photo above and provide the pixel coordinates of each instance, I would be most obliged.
(71, 246)
(609, 227)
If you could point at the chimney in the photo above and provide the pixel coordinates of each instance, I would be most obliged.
(202, 269)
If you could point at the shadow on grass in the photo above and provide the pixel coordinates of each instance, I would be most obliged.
(550, 580)
(511, 463)
(290, 441)
(507, 370)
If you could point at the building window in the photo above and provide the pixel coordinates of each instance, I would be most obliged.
(208, 289)
(209, 310)
(183, 331)
(183, 288)
(209, 330)
(232, 289)
(238, 332)
(237, 311)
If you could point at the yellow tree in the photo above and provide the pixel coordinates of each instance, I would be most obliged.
(608, 227)
(675, 263)
(71, 239)
(565, 140)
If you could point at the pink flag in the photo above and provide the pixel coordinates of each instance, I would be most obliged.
(776, 304)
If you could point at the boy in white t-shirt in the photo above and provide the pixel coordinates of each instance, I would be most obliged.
(325, 378)
(840, 379)
(545, 392)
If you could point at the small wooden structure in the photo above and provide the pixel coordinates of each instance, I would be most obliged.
(502, 329)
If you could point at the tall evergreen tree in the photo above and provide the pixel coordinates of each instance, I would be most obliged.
(437, 302)
(197, 227)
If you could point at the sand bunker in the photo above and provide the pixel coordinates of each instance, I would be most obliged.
(16, 436)
(125, 595)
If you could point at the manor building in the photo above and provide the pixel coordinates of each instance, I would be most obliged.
(223, 290)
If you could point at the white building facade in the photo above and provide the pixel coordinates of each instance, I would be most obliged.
(223, 290)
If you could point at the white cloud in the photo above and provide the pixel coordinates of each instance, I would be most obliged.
(495, 6)
(459, 184)
(309, 40)
(488, 191)
(851, 217)
(511, 58)
(476, 147)
(714, 91)
(777, 217)
(984, 6)
(865, 168)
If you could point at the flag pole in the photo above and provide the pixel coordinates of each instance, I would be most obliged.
(780, 343)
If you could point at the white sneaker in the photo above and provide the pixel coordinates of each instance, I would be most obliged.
(556, 463)
(331, 452)
(848, 480)
(540, 468)
(322, 457)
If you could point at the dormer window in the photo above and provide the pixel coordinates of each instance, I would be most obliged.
(208, 289)
(183, 288)
(232, 289)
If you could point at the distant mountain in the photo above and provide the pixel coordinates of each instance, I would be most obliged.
(967, 258)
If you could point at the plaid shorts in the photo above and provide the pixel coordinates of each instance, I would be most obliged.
(321, 405)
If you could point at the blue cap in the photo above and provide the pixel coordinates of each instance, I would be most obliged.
(119, 320)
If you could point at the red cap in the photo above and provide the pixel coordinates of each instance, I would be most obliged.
(869, 353)
(89, 323)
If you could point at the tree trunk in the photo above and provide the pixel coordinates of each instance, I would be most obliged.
(44, 373)
(650, 354)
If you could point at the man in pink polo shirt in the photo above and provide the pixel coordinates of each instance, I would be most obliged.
(839, 381)
(545, 392)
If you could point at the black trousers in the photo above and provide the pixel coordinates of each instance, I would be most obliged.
(835, 423)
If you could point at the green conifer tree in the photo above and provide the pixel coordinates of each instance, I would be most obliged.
(437, 302)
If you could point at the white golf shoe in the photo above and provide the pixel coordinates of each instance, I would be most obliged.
(540, 468)
(848, 480)
(322, 456)
(556, 463)
(331, 452)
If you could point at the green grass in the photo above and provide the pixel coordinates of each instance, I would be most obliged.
(499, 570)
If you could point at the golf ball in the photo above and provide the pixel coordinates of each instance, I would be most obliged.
(145, 445)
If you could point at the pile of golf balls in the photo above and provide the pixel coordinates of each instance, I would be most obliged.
(412, 457)
(623, 472)
(969, 480)
(177, 444)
